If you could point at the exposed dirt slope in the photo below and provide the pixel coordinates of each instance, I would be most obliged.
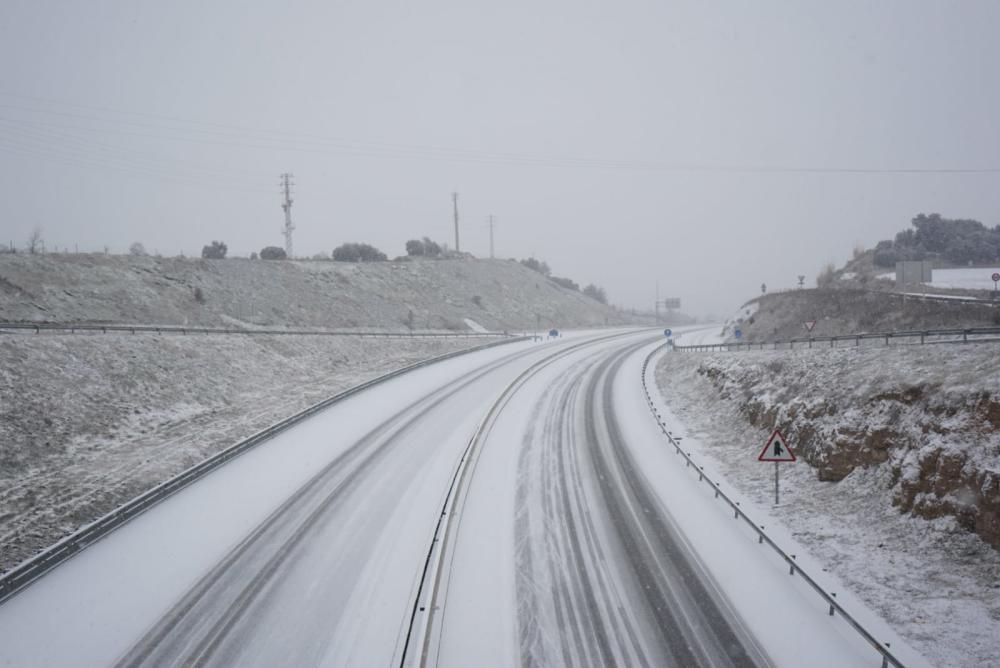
(931, 414)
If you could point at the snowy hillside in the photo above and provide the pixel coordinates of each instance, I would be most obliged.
(899, 471)
(781, 316)
(89, 421)
(437, 295)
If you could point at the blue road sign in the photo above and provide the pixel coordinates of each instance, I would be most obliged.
(667, 333)
(738, 333)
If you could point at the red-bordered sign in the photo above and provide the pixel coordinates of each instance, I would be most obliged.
(776, 450)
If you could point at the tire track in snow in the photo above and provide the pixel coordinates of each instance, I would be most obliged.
(206, 625)
(602, 576)
(570, 609)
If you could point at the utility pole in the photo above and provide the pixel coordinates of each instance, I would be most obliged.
(287, 206)
(454, 203)
(657, 302)
(492, 219)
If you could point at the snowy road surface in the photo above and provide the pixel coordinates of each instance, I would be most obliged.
(576, 541)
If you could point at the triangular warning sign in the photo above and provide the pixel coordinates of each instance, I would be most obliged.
(776, 450)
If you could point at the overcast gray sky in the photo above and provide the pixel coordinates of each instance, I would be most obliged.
(623, 142)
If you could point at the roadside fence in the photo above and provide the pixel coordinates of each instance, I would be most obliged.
(912, 337)
(74, 328)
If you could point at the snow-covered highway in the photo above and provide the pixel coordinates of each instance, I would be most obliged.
(572, 538)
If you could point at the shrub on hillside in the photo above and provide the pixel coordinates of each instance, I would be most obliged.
(214, 251)
(423, 248)
(36, 244)
(959, 241)
(355, 252)
(596, 293)
(825, 277)
(137, 249)
(535, 265)
(273, 253)
(567, 283)
(432, 248)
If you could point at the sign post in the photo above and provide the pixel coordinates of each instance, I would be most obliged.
(995, 277)
(776, 450)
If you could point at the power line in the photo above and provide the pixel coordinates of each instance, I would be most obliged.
(277, 140)
(62, 143)
(72, 159)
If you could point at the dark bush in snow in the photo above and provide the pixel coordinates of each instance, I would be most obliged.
(272, 253)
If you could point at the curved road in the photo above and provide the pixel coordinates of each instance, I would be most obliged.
(308, 550)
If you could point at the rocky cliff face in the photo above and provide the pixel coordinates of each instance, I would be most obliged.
(929, 413)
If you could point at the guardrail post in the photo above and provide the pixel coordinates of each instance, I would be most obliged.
(965, 336)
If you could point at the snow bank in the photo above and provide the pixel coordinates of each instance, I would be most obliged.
(88, 421)
(878, 430)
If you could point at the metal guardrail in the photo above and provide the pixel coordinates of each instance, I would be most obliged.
(945, 298)
(73, 328)
(911, 337)
(27, 572)
(762, 537)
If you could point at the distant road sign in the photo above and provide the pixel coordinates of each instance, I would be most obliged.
(809, 324)
(738, 333)
(667, 333)
(671, 303)
(995, 277)
(776, 450)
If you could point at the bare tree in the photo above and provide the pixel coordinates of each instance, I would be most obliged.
(35, 241)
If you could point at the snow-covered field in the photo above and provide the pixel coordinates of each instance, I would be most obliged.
(422, 295)
(88, 421)
(936, 583)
